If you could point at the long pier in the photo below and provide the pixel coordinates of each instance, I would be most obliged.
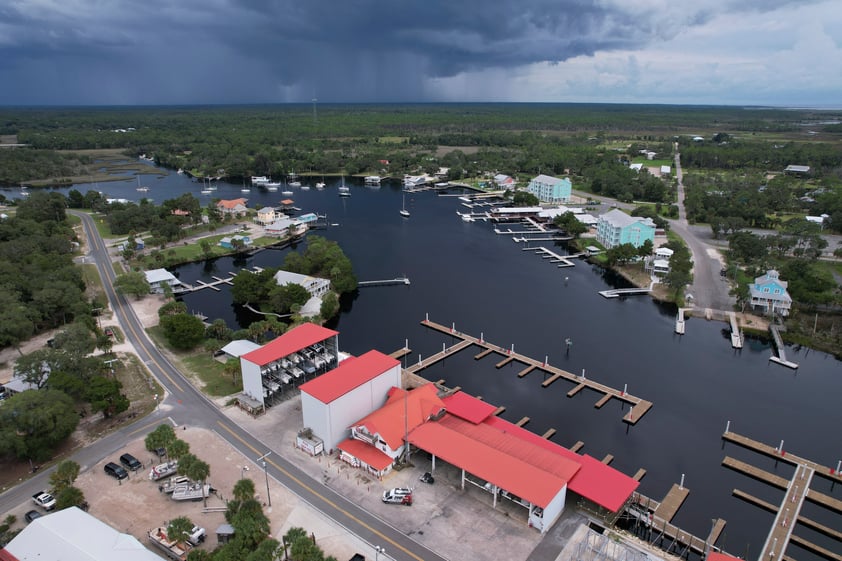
(384, 282)
(639, 407)
(617, 292)
(797, 491)
(736, 334)
(779, 345)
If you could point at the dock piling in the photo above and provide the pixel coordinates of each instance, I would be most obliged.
(681, 485)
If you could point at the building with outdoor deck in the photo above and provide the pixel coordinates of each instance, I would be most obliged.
(266, 215)
(232, 242)
(769, 293)
(615, 227)
(550, 189)
(232, 207)
(158, 279)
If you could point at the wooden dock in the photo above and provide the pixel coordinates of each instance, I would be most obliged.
(400, 353)
(667, 508)
(661, 528)
(639, 407)
(788, 514)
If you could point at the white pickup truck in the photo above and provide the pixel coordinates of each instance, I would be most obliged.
(44, 500)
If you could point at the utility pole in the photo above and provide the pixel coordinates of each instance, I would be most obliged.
(266, 473)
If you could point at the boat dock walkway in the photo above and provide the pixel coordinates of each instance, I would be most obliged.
(779, 345)
(183, 287)
(384, 282)
(736, 334)
(564, 261)
(788, 514)
(639, 407)
(617, 292)
(679, 321)
(657, 516)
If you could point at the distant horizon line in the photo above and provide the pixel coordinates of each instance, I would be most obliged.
(803, 107)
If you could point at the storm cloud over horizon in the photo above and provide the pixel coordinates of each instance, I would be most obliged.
(57, 52)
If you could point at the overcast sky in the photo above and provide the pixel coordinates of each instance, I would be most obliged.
(125, 52)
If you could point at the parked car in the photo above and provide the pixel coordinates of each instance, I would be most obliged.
(398, 496)
(44, 500)
(130, 462)
(31, 515)
(115, 470)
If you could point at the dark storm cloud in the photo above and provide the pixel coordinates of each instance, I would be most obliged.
(196, 51)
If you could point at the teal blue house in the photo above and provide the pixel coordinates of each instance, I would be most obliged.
(550, 189)
(617, 228)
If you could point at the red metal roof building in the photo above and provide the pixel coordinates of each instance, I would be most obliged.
(267, 367)
(331, 403)
(595, 481)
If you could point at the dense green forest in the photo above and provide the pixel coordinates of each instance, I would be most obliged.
(590, 142)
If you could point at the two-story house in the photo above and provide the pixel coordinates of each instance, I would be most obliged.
(232, 207)
(769, 293)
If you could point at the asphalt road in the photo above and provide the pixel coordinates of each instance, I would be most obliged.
(191, 407)
(709, 289)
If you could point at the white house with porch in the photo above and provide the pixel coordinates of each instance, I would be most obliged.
(769, 293)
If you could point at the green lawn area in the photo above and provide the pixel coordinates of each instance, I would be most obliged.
(652, 163)
(198, 364)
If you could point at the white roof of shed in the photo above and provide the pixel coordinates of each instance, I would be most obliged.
(159, 275)
(239, 347)
(74, 535)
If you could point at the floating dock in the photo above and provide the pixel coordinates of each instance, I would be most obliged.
(679, 321)
(384, 282)
(564, 261)
(788, 513)
(736, 334)
(779, 345)
(639, 407)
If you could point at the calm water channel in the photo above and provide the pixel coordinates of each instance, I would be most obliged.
(464, 273)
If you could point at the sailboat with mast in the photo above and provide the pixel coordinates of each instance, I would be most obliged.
(403, 211)
(140, 187)
(344, 191)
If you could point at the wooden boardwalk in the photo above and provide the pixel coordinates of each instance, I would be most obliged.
(639, 407)
(662, 529)
(788, 514)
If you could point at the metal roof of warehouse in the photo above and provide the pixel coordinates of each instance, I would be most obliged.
(293, 340)
(350, 374)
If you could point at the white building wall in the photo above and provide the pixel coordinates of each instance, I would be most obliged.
(554, 509)
(349, 408)
(316, 416)
(252, 382)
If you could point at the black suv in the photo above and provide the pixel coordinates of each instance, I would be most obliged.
(115, 470)
(130, 462)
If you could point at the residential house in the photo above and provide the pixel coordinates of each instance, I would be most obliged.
(801, 170)
(769, 293)
(267, 215)
(550, 189)
(232, 207)
(504, 181)
(666, 170)
(315, 286)
(283, 227)
(659, 264)
(159, 278)
(180, 212)
(617, 228)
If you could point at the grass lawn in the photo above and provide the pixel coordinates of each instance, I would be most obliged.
(198, 365)
(652, 163)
